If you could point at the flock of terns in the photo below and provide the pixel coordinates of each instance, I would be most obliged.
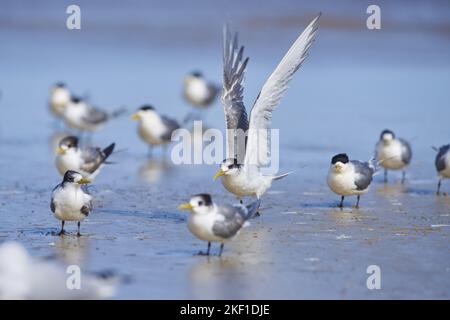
(240, 173)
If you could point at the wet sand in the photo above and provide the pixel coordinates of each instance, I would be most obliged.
(354, 85)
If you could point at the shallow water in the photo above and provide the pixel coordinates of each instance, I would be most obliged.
(354, 84)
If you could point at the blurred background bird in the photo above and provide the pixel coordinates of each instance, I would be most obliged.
(153, 128)
(24, 277)
(393, 153)
(87, 161)
(199, 91)
(442, 163)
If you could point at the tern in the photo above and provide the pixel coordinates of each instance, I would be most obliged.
(241, 173)
(213, 223)
(442, 163)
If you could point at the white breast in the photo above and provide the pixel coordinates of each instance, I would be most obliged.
(201, 226)
(446, 172)
(343, 183)
(151, 128)
(71, 160)
(390, 155)
(68, 203)
(247, 184)
(197, 91)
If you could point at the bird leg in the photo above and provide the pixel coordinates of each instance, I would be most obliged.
(357, 202)
(201, 253)
(385, 176)
(62, 229)
(78, 233)
(221, 249)
(341, 205)
(439, 187)
(150, 151)
(403, 176)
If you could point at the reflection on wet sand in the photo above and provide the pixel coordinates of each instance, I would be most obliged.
(346, 216)
(391, 190)
(238, 273)
(72, 249)
(153, 169)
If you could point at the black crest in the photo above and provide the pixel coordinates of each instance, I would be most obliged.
(196, 74)
(69, 176)
(387, 131)
(233, 165)
(206, 198)
(147, 107)
(60, 85)
(76, 99)
(70, 141)
(341, 157)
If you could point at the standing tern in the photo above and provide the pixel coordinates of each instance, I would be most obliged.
(60, 96)
(244, 178)
(347, 178)
(442, 163)
(213, 223)
(198, 91)
(80, 115)
(153, 128)
(87, 161)
(71, 202)
(393, 153)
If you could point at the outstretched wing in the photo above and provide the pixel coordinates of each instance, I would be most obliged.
(232, 95)
(271, 94)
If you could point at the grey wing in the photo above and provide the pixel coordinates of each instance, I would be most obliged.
(95, 116)
(171, 125)
(406, 151)
(87, 208)
(441, 158)
(363, 174)
(271, 93)
(234, 218)
(52, 205)
(234, 67)
(92, 159)
(52, 202)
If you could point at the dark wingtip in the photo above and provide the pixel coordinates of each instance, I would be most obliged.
(109, 150)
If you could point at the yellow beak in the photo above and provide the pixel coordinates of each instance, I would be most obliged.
(185, 206)
(135, 117)
(60, 151)
(219, 174)
(338, 168)
(84, 181)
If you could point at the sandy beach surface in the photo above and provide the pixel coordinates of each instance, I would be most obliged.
(355, 83)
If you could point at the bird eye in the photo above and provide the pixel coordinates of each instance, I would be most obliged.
(200, 203)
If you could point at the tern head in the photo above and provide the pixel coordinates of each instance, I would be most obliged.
(387, 136)
(228, 167)
(193, 76)
(199, 204)
(59, 94)
(339, 162)
(74, 177)
(144, 111)
(70, 142)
